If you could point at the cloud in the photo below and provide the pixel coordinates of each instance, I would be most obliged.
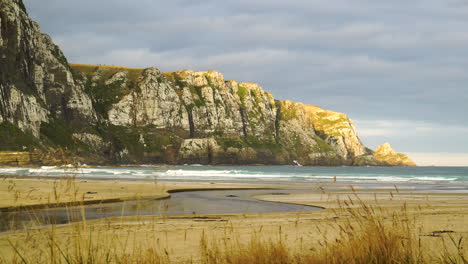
(439, 159)
(413, 135)
(410, 127)
(374, 60)
(172, 61)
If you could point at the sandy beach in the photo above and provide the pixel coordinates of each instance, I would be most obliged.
(435, 215)
(40, 191)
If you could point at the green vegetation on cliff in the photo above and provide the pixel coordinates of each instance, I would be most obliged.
(249, 141)
(13, 138)
(330, 123)
(144, 144)
(106, 95)
(322, 146)
(104, 92)
(22, 6)
(106, 71)
(242, 93)
(58, 133)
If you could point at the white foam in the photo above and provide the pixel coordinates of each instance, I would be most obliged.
(48, 167)
(213, 174)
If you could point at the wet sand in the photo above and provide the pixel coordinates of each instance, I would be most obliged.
(200, 202)
(46, 192)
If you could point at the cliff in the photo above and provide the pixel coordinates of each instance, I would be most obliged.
(385, 154)
(109, 114)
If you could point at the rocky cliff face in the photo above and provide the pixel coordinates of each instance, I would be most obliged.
(108, 114)
(385, 154)
(202, 118)
(36, 84)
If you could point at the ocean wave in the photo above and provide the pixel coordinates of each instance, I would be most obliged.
(212, 173)
(215, 174)
(51, 171)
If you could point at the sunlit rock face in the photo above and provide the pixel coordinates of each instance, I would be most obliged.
(36, 83)
(112, 114)
(221, 121)
(385, 154)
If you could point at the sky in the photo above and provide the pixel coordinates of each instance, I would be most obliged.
(398, 69)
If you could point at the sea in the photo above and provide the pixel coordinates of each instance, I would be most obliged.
(449, 176)
(295, 178)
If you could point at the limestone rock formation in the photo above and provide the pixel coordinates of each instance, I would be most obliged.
(385, 154)
(36, 83)
(218, 121)
(110, 114)
(328, 134)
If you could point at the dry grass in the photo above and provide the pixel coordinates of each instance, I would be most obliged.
(107, 70)
(91, 67)
(369, 234)
(87, 245)
(368, 237)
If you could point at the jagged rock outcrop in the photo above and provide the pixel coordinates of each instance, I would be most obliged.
(218, 121)
(385, 154)
(153, 103)
(36, 84)
(111, 114)
(224, 108)
(324, 134)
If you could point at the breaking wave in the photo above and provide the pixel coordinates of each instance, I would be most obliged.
(273, 173)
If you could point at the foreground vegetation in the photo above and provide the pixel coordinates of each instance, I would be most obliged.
(366, 238)
(367, 234)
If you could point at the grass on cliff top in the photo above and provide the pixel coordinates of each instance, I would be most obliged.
(91, 67)
(108, 70)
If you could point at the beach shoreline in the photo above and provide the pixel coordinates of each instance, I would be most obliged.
(433, 212)
(250, 174)
(153, 188)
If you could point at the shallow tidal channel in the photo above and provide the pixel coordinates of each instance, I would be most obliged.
(201, 202)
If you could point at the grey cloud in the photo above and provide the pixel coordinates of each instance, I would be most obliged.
(389, 60)
(412, 135)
